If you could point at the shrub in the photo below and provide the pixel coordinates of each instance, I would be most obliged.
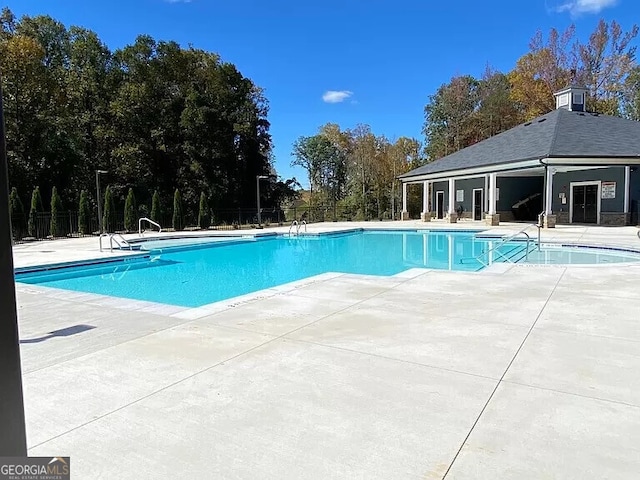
(109, 214)
(16, 213)
(177, 221)
(55, 230)
(36, 206)
(130, 212)
(204, 220)
(156, 212)
(84, 214)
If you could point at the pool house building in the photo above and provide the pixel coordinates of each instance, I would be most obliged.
(572, 166)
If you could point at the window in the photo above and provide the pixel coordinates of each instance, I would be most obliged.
(578, 98)
(563, 99)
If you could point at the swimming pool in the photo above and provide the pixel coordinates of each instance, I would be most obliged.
(199, 272)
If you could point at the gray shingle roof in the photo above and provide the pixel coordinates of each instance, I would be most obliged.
(559, 133)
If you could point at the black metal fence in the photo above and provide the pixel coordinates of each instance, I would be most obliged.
(66, 225)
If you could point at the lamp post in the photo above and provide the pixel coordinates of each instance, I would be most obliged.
(98, 172)
(258, 178)
(13, 440)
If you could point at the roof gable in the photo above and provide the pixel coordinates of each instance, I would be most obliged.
(559, 133)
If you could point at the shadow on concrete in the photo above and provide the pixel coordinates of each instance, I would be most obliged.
(63, 332)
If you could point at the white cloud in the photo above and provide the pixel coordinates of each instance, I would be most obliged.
(577, 7)
(336, 96)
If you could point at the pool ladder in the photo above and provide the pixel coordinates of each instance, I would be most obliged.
(116, 238)
(504, 240)
(298, 226)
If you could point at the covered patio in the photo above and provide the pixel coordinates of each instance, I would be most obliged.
(575, 166)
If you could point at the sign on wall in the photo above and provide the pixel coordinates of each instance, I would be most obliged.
(608, 190)
(459, 195)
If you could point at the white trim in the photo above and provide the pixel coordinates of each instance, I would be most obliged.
(486, 194)
(473, 172)
(602, 161)
(579, 184)
(627, 181)
(473, 203)
(524, 165)
(438, 203)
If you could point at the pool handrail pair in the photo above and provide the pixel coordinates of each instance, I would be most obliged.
(298, 225)
(505, 240)
(113, 237)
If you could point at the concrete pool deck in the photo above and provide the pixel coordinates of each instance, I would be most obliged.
(529, 372)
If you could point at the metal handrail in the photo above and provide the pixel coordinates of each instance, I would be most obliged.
(503, 241)
(102, 235)
(145, 219)
(112, 238)
(298, 225)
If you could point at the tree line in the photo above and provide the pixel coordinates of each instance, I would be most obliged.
(157, 117)
(357, 170)
(467, 110)
(354, 171)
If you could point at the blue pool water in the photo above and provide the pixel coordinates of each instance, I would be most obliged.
(196, 275)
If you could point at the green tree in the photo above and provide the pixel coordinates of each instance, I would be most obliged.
(177, 221)
(16, 209)
(16, 212)
(449, 117)
(130, 212)
(109, 213)
(631, 96)
(156, 212)
(36, 207)
(55, 230)
(84, 214)
(203, 212)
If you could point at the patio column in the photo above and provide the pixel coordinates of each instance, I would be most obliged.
(405, 213)
(486, 194)
(549, 219)
(425, 216)
(452, 216)
(492, 218)
(627, 181)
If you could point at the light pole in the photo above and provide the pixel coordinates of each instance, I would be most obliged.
(258, 178)
(13, 441)
(98, 172)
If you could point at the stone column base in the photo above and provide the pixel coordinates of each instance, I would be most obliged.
(452, 218)
(425, 216)
(492, 219)
(404, 216)
(549, 221)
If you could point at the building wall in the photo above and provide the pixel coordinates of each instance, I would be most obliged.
(611, 210)
(467, 185)
(440, 186)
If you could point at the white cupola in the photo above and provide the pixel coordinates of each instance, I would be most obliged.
(572, 98)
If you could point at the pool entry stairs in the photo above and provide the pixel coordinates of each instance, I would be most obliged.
(512, 248)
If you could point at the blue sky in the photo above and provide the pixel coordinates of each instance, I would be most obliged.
(341, 61)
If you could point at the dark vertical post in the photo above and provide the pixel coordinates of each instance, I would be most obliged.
(13, 440)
